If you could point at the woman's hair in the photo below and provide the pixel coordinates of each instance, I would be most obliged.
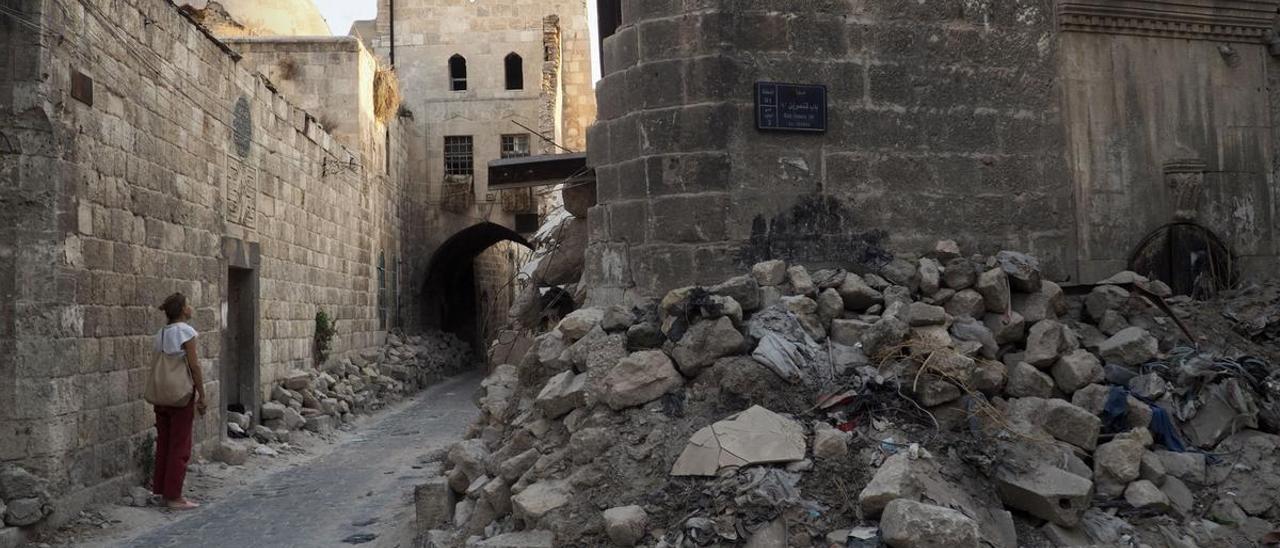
(174, 305)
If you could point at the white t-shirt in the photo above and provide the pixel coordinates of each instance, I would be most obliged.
(171, 337)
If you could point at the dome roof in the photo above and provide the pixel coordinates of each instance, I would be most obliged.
(266, 17)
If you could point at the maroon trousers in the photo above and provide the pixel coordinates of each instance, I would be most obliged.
(173, 449)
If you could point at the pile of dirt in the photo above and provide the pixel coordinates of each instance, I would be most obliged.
(942, 400)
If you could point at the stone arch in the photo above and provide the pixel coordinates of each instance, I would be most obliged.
(451, 297)
(457, 73)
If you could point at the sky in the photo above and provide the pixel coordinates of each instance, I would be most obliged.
(341, 13)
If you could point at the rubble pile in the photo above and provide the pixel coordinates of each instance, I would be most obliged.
(946, 400)
(319, 401)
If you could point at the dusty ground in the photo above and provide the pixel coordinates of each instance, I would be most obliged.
(322, 493)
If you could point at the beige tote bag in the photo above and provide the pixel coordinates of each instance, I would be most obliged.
(169, 382)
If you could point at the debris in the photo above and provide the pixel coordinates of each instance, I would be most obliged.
(1046, 492)
(640, 378)
(910, 524)
(626, 525)
(754, 436)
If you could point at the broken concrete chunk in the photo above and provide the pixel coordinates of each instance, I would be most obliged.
(903, 273)
(911, 524)
(769, 273)
(830, 443)
(1046, 492)
(1118, 462)
(754, 436)
(969, 329)
(1076, 370)
(959, 274)
(895, 479)
(848, 332)
(926, 314)
(830, 305)
(433, 503)
(626, 525)
(639, 379)
(1131, 346)
(993, 285)
(1006, 328)
(884, 336)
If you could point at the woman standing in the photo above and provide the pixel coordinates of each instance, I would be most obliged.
(177, 344)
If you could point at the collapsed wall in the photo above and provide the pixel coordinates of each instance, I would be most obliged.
(143, 158)
(1075, 130)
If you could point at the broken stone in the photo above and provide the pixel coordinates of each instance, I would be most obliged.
(1181, 500)
(925, 314)
(770, 273)
(801, 282)
(857, 295)
(588, 443)
(830, 443)
(1143, 494)
(910, 524)
(1076, 370)
(830, 305)
(930, 274)
(1066, 536)
(1104, 298)
(17, 483)
(514, 467)
(25, 511)
(945, 250)
(895, 479)
(433, 503)
(754, 436)
(578, 323)
(498, 494)
(536, 500)
(1046, 341)
(1025, 380)
(806, 311)
(626, 525)
(993, 285)
(745, 290)
(233, 454)
(1094, 398)
(1112, 322)
(320, 424)
(644, 336)
(469, 457)
(848, 332)
(1071, 424)
(1151, 468)
(1131, 346)
(1046, 492)
(932, 391)
(1046, 304)
(520, 539)
(272, 410)
(1022, 270)
(1007, 329)
(617, 318)
(966, 303)
(959, 274)
(883, 336)
(706, 342)
(1115, 464)
(292, 419)
(903, 273)
(1185, 466)
(639, 379)
(989, 377)
(562, 394)
(1150, 386)
(1228, 407)
(969, 329)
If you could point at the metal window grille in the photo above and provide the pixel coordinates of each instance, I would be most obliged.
(515, 146)
(458, 155)
(458, 73)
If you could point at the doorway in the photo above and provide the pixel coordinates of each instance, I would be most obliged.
(240, 341)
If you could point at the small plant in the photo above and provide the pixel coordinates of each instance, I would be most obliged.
(325, 330)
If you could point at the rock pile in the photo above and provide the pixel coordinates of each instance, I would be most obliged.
(947, 400)
(319, 401)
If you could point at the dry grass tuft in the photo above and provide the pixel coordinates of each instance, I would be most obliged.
(386, 94)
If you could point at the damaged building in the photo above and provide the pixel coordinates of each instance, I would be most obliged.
(787, 167)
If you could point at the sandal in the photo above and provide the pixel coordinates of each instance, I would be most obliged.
(180, 504)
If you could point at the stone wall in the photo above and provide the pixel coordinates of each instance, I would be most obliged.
(495, 273)
(1002, 125)
(183, 163)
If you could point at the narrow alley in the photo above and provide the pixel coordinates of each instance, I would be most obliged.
(364, 487)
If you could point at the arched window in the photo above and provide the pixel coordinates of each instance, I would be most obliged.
(515, 71)
(458, 73)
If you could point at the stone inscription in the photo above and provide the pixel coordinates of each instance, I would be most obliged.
(791, 107)
(242, 192)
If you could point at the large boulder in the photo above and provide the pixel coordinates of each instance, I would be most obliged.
(639, 379)
(911, 524)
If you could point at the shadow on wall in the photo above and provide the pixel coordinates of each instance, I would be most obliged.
(816, 231)
(452, 303)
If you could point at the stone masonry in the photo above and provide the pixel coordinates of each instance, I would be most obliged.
(1042, 125)
(140, 156)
